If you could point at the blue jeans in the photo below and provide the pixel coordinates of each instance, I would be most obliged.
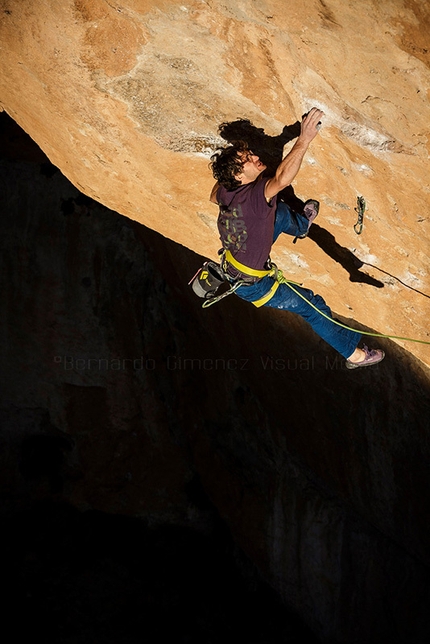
(344, 341)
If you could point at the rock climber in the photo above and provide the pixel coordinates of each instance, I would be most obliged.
(251, 218)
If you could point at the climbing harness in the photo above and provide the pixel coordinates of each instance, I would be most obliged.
(211, 276)
(361, 207)
(245, 270)
(273, 271)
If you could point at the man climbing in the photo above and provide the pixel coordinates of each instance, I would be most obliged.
(250, 220)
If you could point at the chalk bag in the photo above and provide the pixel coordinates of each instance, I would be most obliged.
(207, 280)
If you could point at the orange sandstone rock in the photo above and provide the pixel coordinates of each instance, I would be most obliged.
(125, 98)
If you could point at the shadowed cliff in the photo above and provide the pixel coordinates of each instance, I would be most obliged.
(120, 394)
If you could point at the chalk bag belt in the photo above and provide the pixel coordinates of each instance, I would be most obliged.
(273, 272)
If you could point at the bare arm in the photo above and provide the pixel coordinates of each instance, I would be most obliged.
(212, 198)
(289, 167)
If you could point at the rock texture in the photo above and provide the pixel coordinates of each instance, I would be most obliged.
(119, 394)
(126, 98)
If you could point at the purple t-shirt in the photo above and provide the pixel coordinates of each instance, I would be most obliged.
(246, 222)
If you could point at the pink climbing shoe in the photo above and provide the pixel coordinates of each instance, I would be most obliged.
(372, 356)
(310, 211)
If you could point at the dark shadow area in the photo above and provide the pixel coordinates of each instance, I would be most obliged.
(42, 457)
(327, 242)
(86, 577)
(16, 144)
(244, 444)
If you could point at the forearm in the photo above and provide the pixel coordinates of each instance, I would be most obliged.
(287, 169)
(290, 165)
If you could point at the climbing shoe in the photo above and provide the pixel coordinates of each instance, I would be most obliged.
(310, 211)
(372, 356)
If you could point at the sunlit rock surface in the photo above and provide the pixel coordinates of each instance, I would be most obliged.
(126, 99)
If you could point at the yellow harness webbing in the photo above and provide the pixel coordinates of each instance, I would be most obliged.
(263, 300)
(253, 272)
(246, 270)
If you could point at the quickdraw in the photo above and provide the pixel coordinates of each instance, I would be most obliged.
(361, 207)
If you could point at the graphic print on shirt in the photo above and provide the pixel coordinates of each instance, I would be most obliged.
(232, 229)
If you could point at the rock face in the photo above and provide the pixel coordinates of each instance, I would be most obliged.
(120, 394)
(126, 99)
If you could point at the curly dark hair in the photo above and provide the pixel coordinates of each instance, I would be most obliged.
(226, 164)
